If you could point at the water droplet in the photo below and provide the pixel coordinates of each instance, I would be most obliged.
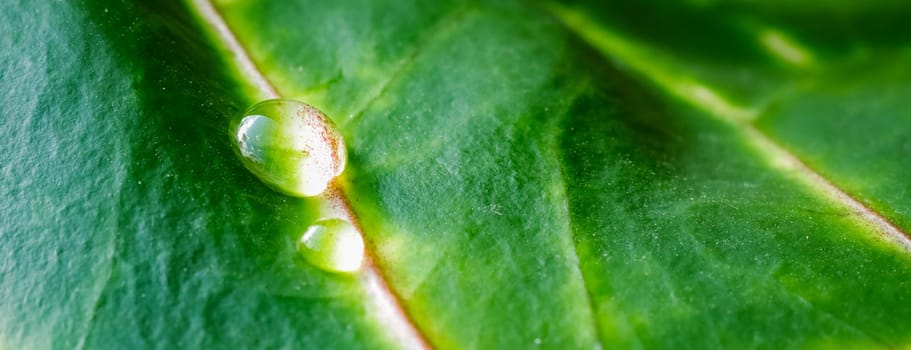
(289, 145)
(334, 245)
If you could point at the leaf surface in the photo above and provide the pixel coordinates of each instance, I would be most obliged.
(553, 175)
(127, 220)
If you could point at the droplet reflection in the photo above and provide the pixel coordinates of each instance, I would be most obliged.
(289, 145)
(333, 245)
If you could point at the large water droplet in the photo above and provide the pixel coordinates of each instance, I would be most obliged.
(334, 245)
(289, 145)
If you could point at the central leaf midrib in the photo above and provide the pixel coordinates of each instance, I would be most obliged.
(212, 19)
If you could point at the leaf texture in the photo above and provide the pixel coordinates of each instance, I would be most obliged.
(556, 175)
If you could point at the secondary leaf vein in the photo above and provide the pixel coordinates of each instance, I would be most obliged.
(702, 97)
(446, 25)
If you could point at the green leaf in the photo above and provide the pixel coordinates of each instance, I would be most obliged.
(558, 175)
(127, 222)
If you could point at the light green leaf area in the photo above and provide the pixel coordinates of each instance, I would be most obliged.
(572, 175)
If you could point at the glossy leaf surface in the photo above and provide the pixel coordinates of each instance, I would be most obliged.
(558, 175)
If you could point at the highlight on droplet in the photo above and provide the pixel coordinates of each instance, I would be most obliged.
(289, 145)
(332, 245)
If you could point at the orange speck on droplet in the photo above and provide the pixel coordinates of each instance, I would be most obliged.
(290, 145)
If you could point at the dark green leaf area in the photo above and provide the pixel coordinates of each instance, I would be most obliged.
(127, 221)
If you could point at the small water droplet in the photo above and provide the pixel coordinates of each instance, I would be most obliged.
(289, 145)
(334, 245)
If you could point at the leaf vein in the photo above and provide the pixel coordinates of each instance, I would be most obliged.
(386, 303)
(446, 25)
(612, 45)
(589, 294)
